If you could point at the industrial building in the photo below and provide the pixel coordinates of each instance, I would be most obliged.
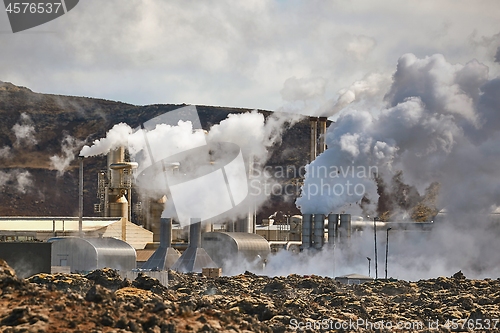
(44, 228)
(113, 240)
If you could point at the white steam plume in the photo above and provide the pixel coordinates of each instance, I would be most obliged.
(24, 131)
(21, 180)
(115, 138)
(5, 152)
(440, 126)
(24, 181)
(69, 146)
(249, 131)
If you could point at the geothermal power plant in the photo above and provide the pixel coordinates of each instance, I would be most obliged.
(132, 236)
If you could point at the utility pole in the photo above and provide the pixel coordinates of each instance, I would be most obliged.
(375, 239)
(386, 251)
(369, 266)
(80, 199)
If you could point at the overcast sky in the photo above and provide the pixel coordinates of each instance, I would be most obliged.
(252, 54)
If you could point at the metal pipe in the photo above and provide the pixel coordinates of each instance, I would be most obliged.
(306, 230)
(195, 233)
(375, 242)
(319, 231)
(80, 199)
(333, 220)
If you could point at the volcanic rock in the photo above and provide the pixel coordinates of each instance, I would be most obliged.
(101, 302)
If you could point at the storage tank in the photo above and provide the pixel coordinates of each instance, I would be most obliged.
(306, 231)
(319, 231)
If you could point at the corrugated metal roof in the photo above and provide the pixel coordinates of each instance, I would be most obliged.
(46, 224)
(244, 241)
(354, 276)
(85, 254)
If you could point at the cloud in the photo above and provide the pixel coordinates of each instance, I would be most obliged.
(360, 46)
(301, 89)
(222, 53)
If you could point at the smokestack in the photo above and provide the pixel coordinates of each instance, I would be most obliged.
(322, 134)
(195, 233)
(166, 232)
(314, 137)
(165, 256)
(80, 199)
(319, 231)
(306, 231)
(333, 220)
(155, 209)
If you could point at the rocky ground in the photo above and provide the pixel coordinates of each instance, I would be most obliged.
(103, 302)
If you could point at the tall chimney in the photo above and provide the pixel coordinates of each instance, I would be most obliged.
(165, 255)
(166, 232)
(322, 133)
(333, 220)
(194, 258)
(306, 230)
(195, 233)
(80, 199)
(319, 231)
(314, 137)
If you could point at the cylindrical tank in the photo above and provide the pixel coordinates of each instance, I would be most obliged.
(195, 233)
(319, 231)
(345, 226)
(333, 220)
(119, 208)
(306, 230)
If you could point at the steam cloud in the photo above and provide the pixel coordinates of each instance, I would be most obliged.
(21, 180)
(69, 146)
(250, 131)
(5, 152)
(440, 126)
(24, 131)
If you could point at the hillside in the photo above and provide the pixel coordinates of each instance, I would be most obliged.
(34, 126)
